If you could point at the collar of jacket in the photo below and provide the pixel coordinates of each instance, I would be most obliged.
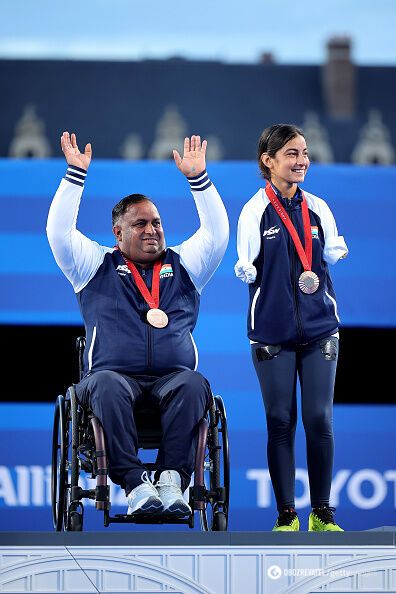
(295, 201)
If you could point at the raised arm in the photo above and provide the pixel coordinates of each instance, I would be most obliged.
(202, 253)
(77, 256)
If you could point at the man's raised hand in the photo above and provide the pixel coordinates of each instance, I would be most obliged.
(193, 161)
(72, 152)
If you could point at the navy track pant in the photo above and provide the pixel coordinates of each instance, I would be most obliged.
(183, 398)
(315, 365)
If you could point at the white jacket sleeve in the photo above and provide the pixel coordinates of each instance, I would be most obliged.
(335, 247)
(202, 253)
(248, 238)
(76, 255)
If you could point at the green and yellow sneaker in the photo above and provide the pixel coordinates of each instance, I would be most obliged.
(321, 520)
(287, 521)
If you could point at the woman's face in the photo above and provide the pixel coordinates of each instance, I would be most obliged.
(290, 163)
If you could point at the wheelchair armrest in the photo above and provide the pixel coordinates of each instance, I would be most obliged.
(80, 346)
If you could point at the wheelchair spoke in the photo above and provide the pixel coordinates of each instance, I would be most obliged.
(203, 520)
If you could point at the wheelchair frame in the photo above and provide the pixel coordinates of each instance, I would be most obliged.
(78, 444)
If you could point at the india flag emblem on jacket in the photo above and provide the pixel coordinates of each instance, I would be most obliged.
(166, 271)
(315, 232)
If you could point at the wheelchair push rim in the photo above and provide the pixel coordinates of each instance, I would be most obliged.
(214, 516)
(59, 463)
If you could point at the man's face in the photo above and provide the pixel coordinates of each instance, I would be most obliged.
(139, 233)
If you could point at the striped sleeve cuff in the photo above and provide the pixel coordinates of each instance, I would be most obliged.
(199, 182)
(76, 175)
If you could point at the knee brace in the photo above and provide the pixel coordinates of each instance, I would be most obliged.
(329, 348)
(268, 351)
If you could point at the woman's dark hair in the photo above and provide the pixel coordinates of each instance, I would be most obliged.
(122, 206)
(273, 139)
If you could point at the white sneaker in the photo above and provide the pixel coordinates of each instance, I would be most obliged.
(144, 499)
(169, 489)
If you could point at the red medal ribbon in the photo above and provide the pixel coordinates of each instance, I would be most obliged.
(152, 299)
(304, 255)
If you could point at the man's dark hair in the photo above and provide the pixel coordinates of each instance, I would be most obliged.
(122, 206)
(273, 139)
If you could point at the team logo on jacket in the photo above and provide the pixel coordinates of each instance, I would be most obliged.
(166, 271)
(271, 232)
(123, 269)
(315, 232)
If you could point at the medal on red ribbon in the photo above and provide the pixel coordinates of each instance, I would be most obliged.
(155, 316)
(308, 280)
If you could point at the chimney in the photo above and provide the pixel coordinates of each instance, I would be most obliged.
(338, 79)
(267, 58)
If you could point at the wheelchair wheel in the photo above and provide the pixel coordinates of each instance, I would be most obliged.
(216, 471)
(60, 438)
(74, 509)
(220, 522)
(225, 451)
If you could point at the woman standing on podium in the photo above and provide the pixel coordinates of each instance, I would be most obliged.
(286, 239)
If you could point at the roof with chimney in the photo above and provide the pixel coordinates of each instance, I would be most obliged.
(136, 110)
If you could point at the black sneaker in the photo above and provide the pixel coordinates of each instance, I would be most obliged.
(287, 521)
(321, 520)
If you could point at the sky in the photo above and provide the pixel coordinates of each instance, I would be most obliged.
(233, 31)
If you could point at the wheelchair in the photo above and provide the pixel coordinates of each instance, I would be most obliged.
(78, 446)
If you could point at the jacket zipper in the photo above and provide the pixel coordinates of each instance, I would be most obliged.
(294, 279)
(149, 341)
(149, 329)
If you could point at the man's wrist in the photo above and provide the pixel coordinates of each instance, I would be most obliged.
(75, 175)
(199, 182)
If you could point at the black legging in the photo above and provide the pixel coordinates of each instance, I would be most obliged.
(315, 365)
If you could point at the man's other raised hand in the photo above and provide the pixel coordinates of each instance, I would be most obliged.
(72, 152)
(193, 161)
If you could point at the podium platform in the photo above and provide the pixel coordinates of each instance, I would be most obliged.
(199, 563)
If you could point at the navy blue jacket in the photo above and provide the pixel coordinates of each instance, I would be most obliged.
(118, 335)
(279, 312)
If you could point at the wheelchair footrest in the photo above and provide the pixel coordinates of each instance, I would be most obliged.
(148, 519)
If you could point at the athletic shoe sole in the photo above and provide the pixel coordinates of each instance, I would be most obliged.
(153, 505)
(179, 509)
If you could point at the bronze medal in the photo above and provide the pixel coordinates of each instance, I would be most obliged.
(308, 282)
(157, 318)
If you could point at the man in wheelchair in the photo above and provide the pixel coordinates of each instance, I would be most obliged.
(139, 301)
